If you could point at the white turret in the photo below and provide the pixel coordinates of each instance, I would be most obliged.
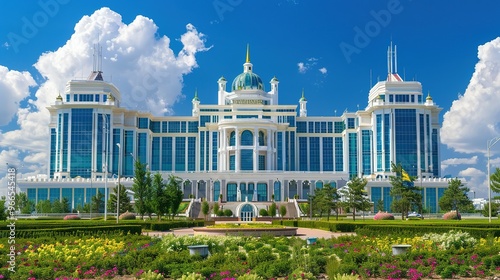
(303, 105)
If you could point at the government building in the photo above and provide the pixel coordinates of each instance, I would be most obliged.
(247, 148)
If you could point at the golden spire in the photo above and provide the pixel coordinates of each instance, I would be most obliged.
(429, 95)
(248, 53)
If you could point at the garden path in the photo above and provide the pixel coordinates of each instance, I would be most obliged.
(301, 232)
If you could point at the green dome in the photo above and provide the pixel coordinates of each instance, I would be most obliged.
(247, 80)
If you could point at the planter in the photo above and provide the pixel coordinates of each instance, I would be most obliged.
(400, 249)
(201, 250)
(311, 240)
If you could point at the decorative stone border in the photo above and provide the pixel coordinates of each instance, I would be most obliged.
(287, 231)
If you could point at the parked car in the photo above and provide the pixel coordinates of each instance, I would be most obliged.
(415, 216)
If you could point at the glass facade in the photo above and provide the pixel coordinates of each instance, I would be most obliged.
(406, 138)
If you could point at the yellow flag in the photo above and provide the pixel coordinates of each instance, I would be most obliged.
(405, 176)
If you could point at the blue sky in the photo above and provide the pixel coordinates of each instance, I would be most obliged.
(437, 44)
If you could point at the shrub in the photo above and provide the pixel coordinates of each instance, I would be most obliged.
(383, 216)
(453, 215)
(263, 212)
(127, 216)
(72, 217)
(228, 213)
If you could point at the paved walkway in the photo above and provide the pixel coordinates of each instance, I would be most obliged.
(301, 232)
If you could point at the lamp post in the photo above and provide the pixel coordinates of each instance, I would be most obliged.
(105, 165)
(490, 144)
(118, 190)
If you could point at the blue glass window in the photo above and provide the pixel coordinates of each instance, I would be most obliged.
(232, 162)
(193, 127)
(54, 194)
(166, 153)
(303, 154)
(376, 197)
(406, 139)
(155, 154)
(351, 123)
(180, 154)
(191, 153)
(261, 192)
(366, 152)
(231, 191)
(339, 127)
(32, 195)
(328, 154)
(43, 194)
(262, 162)
(279, 144)
(261, 138)
(128, 159)
(142, 122)
(216, 190)
(214, 149)
(174, 127)
(314, 154)
(277, 191)
(339, 154)
(79, 197)
(353, 154)
(68, 194)
(246, 162)
(246, 138)
(301, 127)
(155, 127)
(232, 139)
(142, 147)
(81, 142)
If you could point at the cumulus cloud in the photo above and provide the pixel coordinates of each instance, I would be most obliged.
(457, 161)
(302, 67)
(475, 180)
(474, 117)
(323, 70)
(14, 87)
(145, 69)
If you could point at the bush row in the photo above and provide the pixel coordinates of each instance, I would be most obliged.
(410, 230)
(74, 231)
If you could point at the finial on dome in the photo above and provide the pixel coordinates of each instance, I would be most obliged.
(59, 97)
(248, 53)
(428, 96)
(195, 98)
(303, 98)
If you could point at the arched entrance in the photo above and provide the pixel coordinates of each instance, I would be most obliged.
(246, 213)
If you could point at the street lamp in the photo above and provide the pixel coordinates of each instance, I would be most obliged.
(118, 191)
(490, 144)
(105, 165)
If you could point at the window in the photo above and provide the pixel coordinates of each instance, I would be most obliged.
(142, 122)
(261, 138)
(246, 138)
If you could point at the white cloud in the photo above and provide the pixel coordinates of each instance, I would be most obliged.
(6, 45)
(476, 181)
(302, 67)
(474, 117)
(145, 69)
(457, 161)
(323, 70)
(14, 87)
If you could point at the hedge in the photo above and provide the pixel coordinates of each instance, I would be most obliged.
(73, 231)
(411, 230)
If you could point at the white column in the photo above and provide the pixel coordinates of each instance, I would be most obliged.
(269, 151)
(237, 150)
(255, 150)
